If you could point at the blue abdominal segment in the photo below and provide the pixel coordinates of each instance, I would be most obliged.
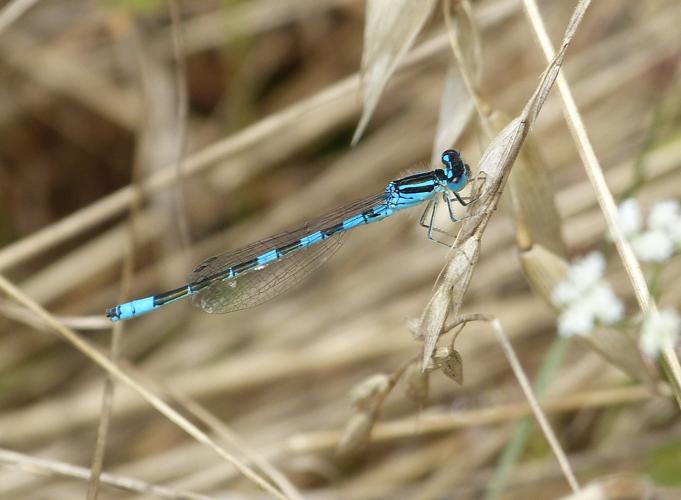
(131, 309)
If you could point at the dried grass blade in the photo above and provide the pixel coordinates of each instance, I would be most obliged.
(465, 41)
(13, 11)
(456, 108)
(45, 466)
(447, 421)
(389, 32)
(534, 204)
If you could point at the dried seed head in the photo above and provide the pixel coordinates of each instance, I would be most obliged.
(435, 361)
(440, 355)
(452, 366)
(356, 433)
(416, 388)
(449, 294)
(368, 394)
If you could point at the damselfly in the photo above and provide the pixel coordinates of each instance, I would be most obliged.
(251, 275)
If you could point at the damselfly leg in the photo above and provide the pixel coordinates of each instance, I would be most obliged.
(429, 214)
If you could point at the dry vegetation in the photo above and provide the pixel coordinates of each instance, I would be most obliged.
(139, 137)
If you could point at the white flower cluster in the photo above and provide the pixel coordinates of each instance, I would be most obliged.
(660, 330)
(661, 238)
(585, 298)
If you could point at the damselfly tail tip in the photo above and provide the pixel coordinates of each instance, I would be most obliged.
(114, 313)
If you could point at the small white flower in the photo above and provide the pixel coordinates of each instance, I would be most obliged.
(588, 270)
(629, 217)
(659, 330)
(564, 293)
(666, 216)
(576, 320)
(586, 298)
(605, 305)
(663, 214)
(582, 275)
(663, 234)
(652, 246)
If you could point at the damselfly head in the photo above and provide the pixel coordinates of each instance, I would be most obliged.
(456, 171)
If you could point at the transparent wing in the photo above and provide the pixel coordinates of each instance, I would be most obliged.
(256, 286)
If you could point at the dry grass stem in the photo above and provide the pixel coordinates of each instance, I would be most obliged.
(12, 11)
(436, 423)
(52, 467)
(534, 404)
(180, 121)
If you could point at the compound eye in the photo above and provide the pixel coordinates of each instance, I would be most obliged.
(450, 157)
